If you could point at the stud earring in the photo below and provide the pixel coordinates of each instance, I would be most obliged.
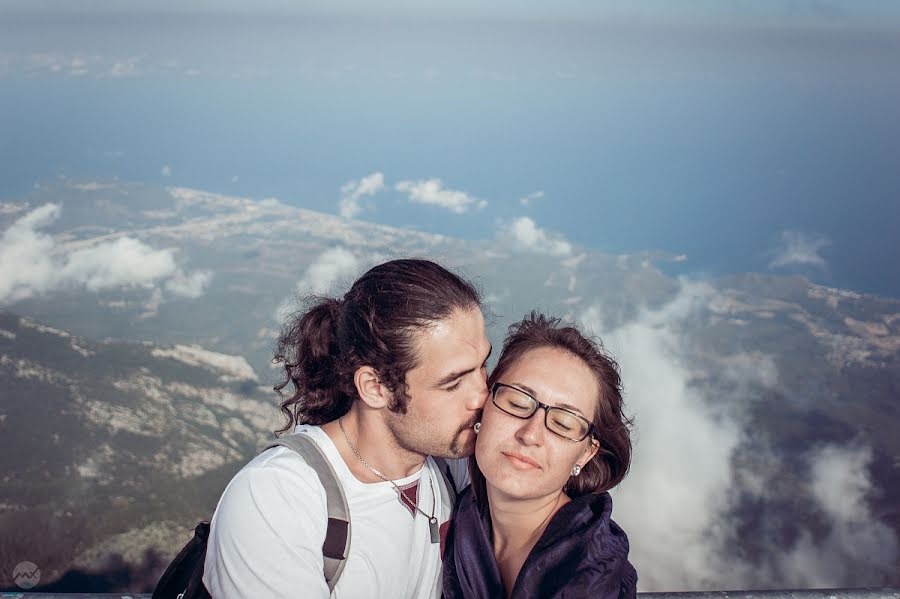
(576, 470)
(477, 427)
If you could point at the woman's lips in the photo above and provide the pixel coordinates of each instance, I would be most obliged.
(520, 461)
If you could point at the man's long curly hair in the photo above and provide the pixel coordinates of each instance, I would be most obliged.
(375, 324)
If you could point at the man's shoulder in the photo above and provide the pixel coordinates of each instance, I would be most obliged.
(280, 471)
(268, 529)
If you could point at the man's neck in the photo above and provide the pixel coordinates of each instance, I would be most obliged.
(374, 443)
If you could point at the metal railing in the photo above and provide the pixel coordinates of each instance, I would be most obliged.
(860, 593)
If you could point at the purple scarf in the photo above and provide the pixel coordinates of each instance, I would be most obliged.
(582, 553)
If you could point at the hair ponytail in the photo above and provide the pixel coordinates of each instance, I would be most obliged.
(309, 350)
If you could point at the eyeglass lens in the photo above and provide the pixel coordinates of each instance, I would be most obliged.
(560, 421)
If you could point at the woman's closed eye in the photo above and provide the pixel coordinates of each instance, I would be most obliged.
(563, 422)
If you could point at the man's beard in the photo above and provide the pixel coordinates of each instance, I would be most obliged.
(412, 440)
(456, 448)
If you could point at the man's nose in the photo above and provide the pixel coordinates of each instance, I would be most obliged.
(480, 393)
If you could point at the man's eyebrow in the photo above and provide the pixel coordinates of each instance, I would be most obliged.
(453, 376)
(564, 405)
(460, 373)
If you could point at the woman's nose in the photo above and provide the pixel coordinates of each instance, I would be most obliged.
(531, 432)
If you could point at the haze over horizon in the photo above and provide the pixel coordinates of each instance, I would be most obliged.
(732, 133)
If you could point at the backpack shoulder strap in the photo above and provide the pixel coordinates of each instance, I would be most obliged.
(447, 485)
(336, 547)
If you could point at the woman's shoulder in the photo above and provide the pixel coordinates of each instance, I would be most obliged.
(597, 526)
(608, 546)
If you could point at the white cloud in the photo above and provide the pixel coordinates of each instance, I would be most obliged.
(26, 266)
(353, 191)
(166, 170)
(839, 480)
(432, 191)
(531, 197)
(122, 261)
(231, 368)
(525, 235)
(32, 263)
(332, 266)
(854, 549)
(191, 285)
(799, 249)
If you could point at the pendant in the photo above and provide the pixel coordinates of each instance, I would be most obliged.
(435, 531)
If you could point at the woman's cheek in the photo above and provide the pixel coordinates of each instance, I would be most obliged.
(487, 447)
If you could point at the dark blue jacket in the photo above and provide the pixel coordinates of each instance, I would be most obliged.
(582, 553)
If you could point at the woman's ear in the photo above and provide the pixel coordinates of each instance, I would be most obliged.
(590, 451)
(369, 387)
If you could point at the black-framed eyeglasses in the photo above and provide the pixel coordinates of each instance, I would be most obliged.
(560, 421)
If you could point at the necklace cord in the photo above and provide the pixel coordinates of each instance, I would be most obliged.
(397, 488)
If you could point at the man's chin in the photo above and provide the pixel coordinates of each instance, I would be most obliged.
(463, 445)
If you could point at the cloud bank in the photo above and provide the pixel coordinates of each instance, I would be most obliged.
(681, 472)
(353, 191)
(697, 467)
(432, 191)
(32, 263)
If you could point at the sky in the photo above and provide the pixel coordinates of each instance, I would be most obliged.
(815, 12)
(742, 136)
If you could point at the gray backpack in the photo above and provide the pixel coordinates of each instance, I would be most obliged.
(183, 579)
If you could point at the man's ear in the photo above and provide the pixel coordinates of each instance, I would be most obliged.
(369, 387)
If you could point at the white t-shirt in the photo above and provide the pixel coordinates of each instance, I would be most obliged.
(268, 529)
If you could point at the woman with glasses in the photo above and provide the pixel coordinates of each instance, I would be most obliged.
(551, 442)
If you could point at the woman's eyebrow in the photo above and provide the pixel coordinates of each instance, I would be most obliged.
(570, 407)
(564, 405)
